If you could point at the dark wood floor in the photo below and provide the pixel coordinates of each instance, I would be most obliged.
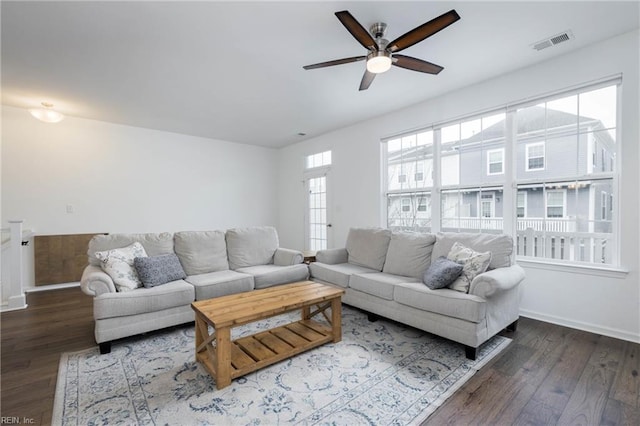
(548, 375)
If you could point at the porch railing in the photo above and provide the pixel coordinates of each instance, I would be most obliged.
(576, 246)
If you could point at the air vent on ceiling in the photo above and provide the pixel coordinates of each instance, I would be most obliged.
(553, 40)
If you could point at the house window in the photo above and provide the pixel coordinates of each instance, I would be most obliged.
(406, 205)
(402, 178)
(603, 205)
(535, 156)
(422, 204)
(555, 203)
(419, 175)
(521, 204)
(495, 158)
(321, 159)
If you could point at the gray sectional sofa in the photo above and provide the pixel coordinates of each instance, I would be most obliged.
(214, 263)
(382, 273)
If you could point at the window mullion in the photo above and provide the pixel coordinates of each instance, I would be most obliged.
(509, 189)
(436, 194)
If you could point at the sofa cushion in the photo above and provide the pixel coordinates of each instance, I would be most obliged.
(270, 275)
(158, 270)
(201, 252)
(441, 273)
(220, 283)
(444, 301)
(154, 244)
(500, 246)
(251, 246)
(337, 274)
(473, 264)
(409, 254)
(143, 300)
(377, 284)
(118, 263)
(368, 247)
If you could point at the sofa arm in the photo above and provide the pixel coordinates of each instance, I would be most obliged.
(95, 281)
(332, 256)
(286, 257)
(499, 279)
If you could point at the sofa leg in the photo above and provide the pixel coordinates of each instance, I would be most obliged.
(372, 317)
(105, 347)
(513, 326)
(471, 352)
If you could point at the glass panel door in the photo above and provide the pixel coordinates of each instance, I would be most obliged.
(317, 213)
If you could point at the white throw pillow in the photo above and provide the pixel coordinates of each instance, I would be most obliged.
(473, 264)
(118, 263)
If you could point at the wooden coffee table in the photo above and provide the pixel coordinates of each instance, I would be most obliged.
(225, 359)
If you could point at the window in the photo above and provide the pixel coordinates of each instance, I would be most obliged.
(320, 159)
(495, 158)
(555, 203)
(470, 150)
(409, 165)
(569, 140)
(422, 204)
(565, 170)
(406, 205)
(521, 204)
(419, 176)
(535, 156)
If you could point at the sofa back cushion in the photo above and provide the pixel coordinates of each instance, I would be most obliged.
(251, 246)
(409, 254)
(368, 247)
(154, 244)
(500, 246)
(201, 252)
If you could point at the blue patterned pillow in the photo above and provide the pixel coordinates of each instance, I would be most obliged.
(158, 270)
(441, 273)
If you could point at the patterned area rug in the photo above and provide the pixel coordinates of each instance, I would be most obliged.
(381, 373)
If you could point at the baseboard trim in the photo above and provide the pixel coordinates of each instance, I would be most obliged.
(579, 325)
(51, 287)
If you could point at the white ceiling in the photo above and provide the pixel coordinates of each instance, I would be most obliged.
(233, 70)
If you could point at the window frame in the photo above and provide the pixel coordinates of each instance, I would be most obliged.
(563, 205)
(489, 162)
(528, 158)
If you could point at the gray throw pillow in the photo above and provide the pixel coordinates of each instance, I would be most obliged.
(158, 270)
(441, 273)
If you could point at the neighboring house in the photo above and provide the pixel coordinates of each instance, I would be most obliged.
(552, 149)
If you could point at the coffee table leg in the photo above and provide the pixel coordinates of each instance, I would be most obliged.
(336, 319)
(223, 357)
(306, 312)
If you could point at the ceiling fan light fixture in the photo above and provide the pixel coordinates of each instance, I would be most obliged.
(379, 62)
(46, 114)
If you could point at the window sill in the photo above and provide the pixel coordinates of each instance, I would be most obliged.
(601, 271)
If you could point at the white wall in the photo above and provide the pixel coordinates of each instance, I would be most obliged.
(127, 179)
(603, 303)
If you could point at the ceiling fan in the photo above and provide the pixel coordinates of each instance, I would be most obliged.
(383, 54)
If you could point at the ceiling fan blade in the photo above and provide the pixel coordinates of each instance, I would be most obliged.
(425, 30)
(357, 30)
(336, 62)
(367, 79)
(415, 64)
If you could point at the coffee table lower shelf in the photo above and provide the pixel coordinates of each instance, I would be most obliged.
(259, 350)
